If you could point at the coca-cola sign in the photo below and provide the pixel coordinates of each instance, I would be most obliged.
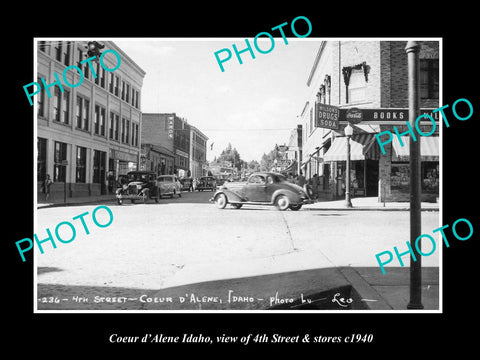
(354, 115)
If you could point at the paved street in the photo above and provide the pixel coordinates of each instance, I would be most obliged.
(187, 240)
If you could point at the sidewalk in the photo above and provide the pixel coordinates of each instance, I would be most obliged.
(369, 203)
(99, 199)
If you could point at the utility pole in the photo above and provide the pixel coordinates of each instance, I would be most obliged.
(413, 49)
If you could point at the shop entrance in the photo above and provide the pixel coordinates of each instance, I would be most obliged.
(372, 177)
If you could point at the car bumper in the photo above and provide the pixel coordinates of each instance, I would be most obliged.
(307, 201)
(129, 196)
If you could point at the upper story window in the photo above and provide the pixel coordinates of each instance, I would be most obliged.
(429, 74)
(357, 87)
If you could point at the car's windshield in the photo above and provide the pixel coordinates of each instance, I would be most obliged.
(165, 179)
(137, 177)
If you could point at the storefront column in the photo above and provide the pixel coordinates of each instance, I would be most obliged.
(384, 171)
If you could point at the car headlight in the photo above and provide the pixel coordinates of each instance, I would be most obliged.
(139, 187)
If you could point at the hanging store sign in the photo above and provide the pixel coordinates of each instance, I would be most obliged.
(170, 127)
(327, 116)
(387, 115)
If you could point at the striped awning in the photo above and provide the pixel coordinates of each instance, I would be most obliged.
(429, 148)
(362, 146)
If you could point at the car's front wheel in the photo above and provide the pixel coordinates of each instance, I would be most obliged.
(221, 201)
(295, 207)
(282, 203)
(119, 201)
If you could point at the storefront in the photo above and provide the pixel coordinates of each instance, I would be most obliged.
(157, 158)
(364, 156)
(119, 164)
(400, 169)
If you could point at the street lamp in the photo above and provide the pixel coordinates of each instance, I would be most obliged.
(348, 133)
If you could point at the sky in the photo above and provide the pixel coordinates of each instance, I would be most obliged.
(253, 105)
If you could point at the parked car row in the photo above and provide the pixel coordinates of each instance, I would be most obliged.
(145, 185)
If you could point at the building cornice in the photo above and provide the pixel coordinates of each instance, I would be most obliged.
(316, 61)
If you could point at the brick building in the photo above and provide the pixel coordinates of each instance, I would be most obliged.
(198, 153)
(368, 78)
(172, 133)
(89, 134)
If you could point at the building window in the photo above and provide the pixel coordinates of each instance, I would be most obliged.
(123, 90)
(429, 74)
(66, 54)
(111, 83)
(97, 71)
(60, 154)
(85, 67)
(58, 51)
(112, 125)
(41, 101)
(117, 83)
(123, 129)
(133, 134)
(57, 103)
(127, 139)
(66, 107)
(136, 135)
(41, 159)
(357, 86)
(81, 170)
(136, 99)
(42, 46)
(99, 125)
(98, 167)
(117, 124)
(127, 95)
(83, 113)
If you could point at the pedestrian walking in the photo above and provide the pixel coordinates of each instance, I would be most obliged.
(315, 186)
(46, 186)
(301, 181)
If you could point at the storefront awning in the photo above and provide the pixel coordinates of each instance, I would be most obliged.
(290, 168)
(362, 146)
(429, 148)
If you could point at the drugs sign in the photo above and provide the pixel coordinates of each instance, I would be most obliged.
(327, 116)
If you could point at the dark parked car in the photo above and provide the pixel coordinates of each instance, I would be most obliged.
(187, 183)
(207, 183)
(262, 189)
(139, 185)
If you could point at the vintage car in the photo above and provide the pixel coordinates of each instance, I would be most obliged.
(138, 185)
(169, 185)
(207, 183)
(262, 189)
(187, 183)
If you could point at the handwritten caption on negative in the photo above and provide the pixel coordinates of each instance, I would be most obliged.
(338, 300)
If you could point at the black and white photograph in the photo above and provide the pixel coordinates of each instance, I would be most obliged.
(239, 175)
(256, 181)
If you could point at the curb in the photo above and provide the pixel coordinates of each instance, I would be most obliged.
(93, 201)
(368, 209)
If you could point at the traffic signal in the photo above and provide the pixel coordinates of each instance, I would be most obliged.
(93, 48)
